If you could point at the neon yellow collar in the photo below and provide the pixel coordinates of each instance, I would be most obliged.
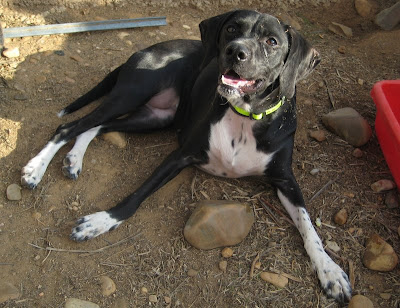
(259, 116)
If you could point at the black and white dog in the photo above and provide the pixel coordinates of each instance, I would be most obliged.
(232, 100)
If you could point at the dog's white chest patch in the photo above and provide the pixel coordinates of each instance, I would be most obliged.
(233, 152)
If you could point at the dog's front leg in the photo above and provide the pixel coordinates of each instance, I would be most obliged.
(333, 279)
(98, 223)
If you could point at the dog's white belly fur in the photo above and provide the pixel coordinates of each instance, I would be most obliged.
(233, 152)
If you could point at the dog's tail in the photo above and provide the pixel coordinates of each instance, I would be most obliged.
(104, 87)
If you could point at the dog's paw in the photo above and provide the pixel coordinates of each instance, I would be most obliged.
(32, 173)
(93, 225)
(334, 281)
(72, 166)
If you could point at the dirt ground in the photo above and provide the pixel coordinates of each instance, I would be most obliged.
(54, 70)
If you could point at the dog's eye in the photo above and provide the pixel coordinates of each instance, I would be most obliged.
(231, 29)
(271, 41)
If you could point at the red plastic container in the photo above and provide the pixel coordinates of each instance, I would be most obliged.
(386, 95)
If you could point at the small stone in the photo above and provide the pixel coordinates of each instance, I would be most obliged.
(389, 18)
(341, 217)
(41, 294)
(318, 135)
(116, 138)
(314, 171)
(386, 296)
(36, 215)
(144, 290)
(340, 29)
(76, 57)
(191, 272)
(122, 35)
(8, 291)
(108, 286)
(186, 27)
(227, 252)
(357, 153)
(37, 258)
(59, 52)
(78, 303)
(40, 78)
(218, 224)
(360, 301)
(379, 255)
(277, 280)
(383, 185)
(342, 49)
(332, 246)
(14, 192)
(223, 265)
(349, 125)
(70, 80)
(11, 52)
(257, 265)
(364, 8)
(20, 97)
(360, 81)
(392, 199)
(167, 299)
(153, 299)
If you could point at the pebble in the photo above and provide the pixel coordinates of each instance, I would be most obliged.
(364, 8)
(76, 57)
(392, 199)
(40, 78)
(122, 35)
(144, 290)
(314, 171)
(186, 27)
(383, 185)
(11, 52)
(386, 296)
(277, 280)
(227, 252)
(332, 246)
(20, 97)
(70, 80)
(341, 217)
(318, 135)
(78, 303)
(357, 153)
(340, 29)
(8, 291)
(389, 18)
(108, 286)
(116, 138)
(360, 81)
(218, 223)
(360, 301)
(167, 299)
(379, 255)
(14, 192)
(342, 49)
(349, 125)
(153, 298)
(223, 265)
(191, 272)
(59, 52)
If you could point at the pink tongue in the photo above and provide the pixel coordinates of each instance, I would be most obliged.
(236, 82)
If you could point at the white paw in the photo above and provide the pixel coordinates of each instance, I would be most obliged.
(93, 225)
(72, 165)
(33, 172)
(333, 279)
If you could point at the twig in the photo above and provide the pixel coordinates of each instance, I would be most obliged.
(253, 264)
(330, 182)
(329, 94)
(352, 277)
(268, 210)
(86, 251)
(278, 211)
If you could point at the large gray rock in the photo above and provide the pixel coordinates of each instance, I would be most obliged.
(218, 223)
(349, 125)
(389, 18)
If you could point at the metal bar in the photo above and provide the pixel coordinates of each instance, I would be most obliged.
(84, 26)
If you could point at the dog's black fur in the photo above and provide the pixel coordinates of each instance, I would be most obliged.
(247, 60)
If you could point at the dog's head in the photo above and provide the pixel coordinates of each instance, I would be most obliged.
(256, 53)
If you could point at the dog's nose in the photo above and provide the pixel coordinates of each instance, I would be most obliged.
(237, 52)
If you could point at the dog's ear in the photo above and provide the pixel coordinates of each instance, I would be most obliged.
(301, 60)
(210, 30)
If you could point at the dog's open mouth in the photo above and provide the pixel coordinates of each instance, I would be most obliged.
(232, 79)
